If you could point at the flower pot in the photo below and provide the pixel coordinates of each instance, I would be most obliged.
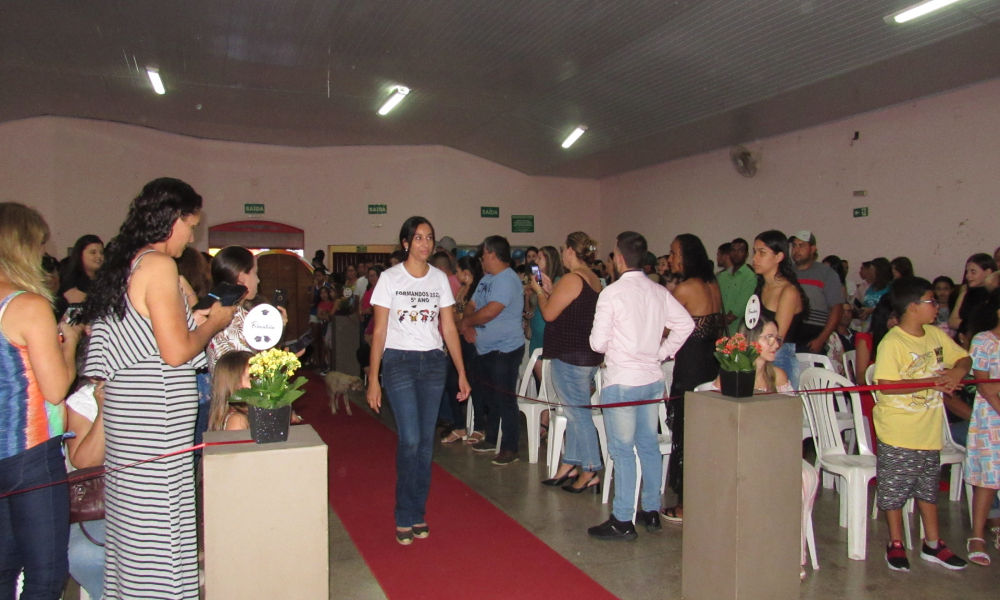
(269, 425)
(737, 384)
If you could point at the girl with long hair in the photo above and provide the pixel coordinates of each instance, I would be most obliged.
(694, 364)
(232, 373)
(146, 345)
(781, 297)
(37, 366)
(972, 294)
(77, 274)
(413, 308)
(569, 307)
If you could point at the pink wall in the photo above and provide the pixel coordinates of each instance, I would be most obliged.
(931, 169)
(82, 175)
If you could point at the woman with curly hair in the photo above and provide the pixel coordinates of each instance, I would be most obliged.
(36, 370)
(146, 345)
(695, 362)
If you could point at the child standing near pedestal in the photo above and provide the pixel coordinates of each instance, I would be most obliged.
(909, 422)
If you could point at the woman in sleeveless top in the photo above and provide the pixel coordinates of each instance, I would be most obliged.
(569, 311)
(36, 370)
(145, 344)
(781, 298)
(695, 362)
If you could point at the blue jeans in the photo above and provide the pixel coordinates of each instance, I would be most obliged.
(34, 526)
(86, 559)
(498, 373)
(414, 382)
(572, 384)
(628, 428)
(785, 359)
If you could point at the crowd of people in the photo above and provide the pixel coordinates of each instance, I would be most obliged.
(106, 362)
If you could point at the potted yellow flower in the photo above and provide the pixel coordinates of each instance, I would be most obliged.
(737, 371)
(270, 395)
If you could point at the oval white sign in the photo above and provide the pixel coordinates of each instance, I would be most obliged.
(262, 327)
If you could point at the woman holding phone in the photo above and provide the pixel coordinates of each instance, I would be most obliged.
(146, 346)
(413, 308)
(569, 309)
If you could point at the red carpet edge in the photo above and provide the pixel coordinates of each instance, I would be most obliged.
(474, 550)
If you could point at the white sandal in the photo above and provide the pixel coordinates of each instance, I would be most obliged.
(980, 558)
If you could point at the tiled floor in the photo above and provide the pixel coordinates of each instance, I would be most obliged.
(650, 567)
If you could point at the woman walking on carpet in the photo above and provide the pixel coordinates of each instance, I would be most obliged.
(145, 344)
(411, 300)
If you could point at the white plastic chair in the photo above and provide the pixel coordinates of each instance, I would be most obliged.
(808, 360)
(855, 470)
(850, 360)
(708, 386)
(810, 487)
(532, 410)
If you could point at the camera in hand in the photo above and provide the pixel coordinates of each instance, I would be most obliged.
(73, 313)
(225, 293)
(537, 273)
(280, 298)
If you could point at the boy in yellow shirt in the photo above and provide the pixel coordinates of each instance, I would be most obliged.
(909, 422)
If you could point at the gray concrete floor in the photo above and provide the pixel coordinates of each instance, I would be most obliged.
(650, 567)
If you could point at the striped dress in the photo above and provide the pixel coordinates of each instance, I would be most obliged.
(149, 409)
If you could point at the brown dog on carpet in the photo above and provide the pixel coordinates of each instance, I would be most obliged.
(337, 387)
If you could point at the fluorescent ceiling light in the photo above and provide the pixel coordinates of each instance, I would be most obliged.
(919, 10)
(396, 97)
(154, 78)
(571, 139)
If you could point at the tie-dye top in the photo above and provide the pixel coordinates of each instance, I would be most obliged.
(26, 419)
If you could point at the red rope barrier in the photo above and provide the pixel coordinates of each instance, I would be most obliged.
(855, 388)
(94, 475)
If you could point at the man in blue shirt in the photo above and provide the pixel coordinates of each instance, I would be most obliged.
(495, 328)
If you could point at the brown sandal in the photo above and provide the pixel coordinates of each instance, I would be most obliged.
(475, 438)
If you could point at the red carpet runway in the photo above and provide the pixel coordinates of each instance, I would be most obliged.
(475, 550)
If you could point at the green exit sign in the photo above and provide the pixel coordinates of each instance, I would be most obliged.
(861, 212)
(253, 209)
(378, 209)
(489, 212)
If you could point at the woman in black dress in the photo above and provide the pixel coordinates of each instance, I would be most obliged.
(695, 362)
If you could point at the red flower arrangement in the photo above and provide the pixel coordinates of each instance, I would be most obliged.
(736, 353)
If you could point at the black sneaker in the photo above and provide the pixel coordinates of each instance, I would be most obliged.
(484, 446)
(421, 532)
(942, 556)
(505, 457)
(404, 537)
(613, 529)
(649, 518)
(895, 557)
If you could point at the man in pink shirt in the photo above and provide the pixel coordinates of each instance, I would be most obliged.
(628, 329)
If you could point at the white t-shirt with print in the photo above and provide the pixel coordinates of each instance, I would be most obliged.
(414, 305)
